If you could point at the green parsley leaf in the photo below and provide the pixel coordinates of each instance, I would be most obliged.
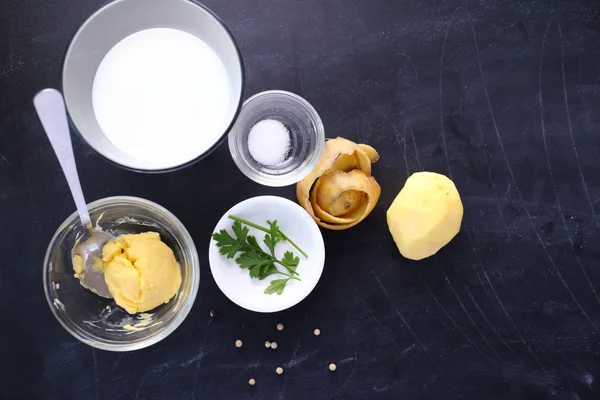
(240, 231)
(228, 246)
(249, 259)
(276, 286)
(259, 263)
(268, 270)
(289, 260)
(273, 237)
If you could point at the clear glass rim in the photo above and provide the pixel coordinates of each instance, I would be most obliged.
(221, 139)
(291, 177)
(187, 305)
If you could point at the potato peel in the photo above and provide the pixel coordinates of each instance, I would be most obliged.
(346, 203)
(339, 187)
(370, 152)
(340, 192)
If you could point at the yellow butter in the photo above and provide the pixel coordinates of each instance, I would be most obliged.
(141, 271)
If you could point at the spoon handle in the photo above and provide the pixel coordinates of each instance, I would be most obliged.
(50, 108)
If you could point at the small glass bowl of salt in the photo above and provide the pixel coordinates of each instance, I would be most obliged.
(277, 139)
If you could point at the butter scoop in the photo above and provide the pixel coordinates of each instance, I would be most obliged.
(141, 271)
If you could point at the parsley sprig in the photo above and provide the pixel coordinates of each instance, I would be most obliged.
(268, 230)
(259, 263)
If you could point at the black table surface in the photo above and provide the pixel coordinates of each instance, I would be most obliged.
(503, 96)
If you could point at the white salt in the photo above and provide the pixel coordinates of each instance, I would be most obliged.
(269, 142)
(162, 96)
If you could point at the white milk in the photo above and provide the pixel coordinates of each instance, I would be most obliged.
(162, 96)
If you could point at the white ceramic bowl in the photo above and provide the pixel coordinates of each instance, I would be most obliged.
(118, 20)
(295, 222)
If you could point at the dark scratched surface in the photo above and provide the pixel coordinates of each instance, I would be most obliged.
(503, 96)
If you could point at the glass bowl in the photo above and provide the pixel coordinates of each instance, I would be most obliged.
(114, 22)
(307, 137)
(98, 321)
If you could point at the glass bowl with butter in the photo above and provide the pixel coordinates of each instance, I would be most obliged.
(101, 322)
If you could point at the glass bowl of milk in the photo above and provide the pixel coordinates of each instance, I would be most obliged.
(153, 85)
(278, 138)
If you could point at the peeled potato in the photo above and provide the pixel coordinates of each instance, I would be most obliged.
(425, 215)
(340, 192)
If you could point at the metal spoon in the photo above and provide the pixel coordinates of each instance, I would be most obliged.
(50, 108)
